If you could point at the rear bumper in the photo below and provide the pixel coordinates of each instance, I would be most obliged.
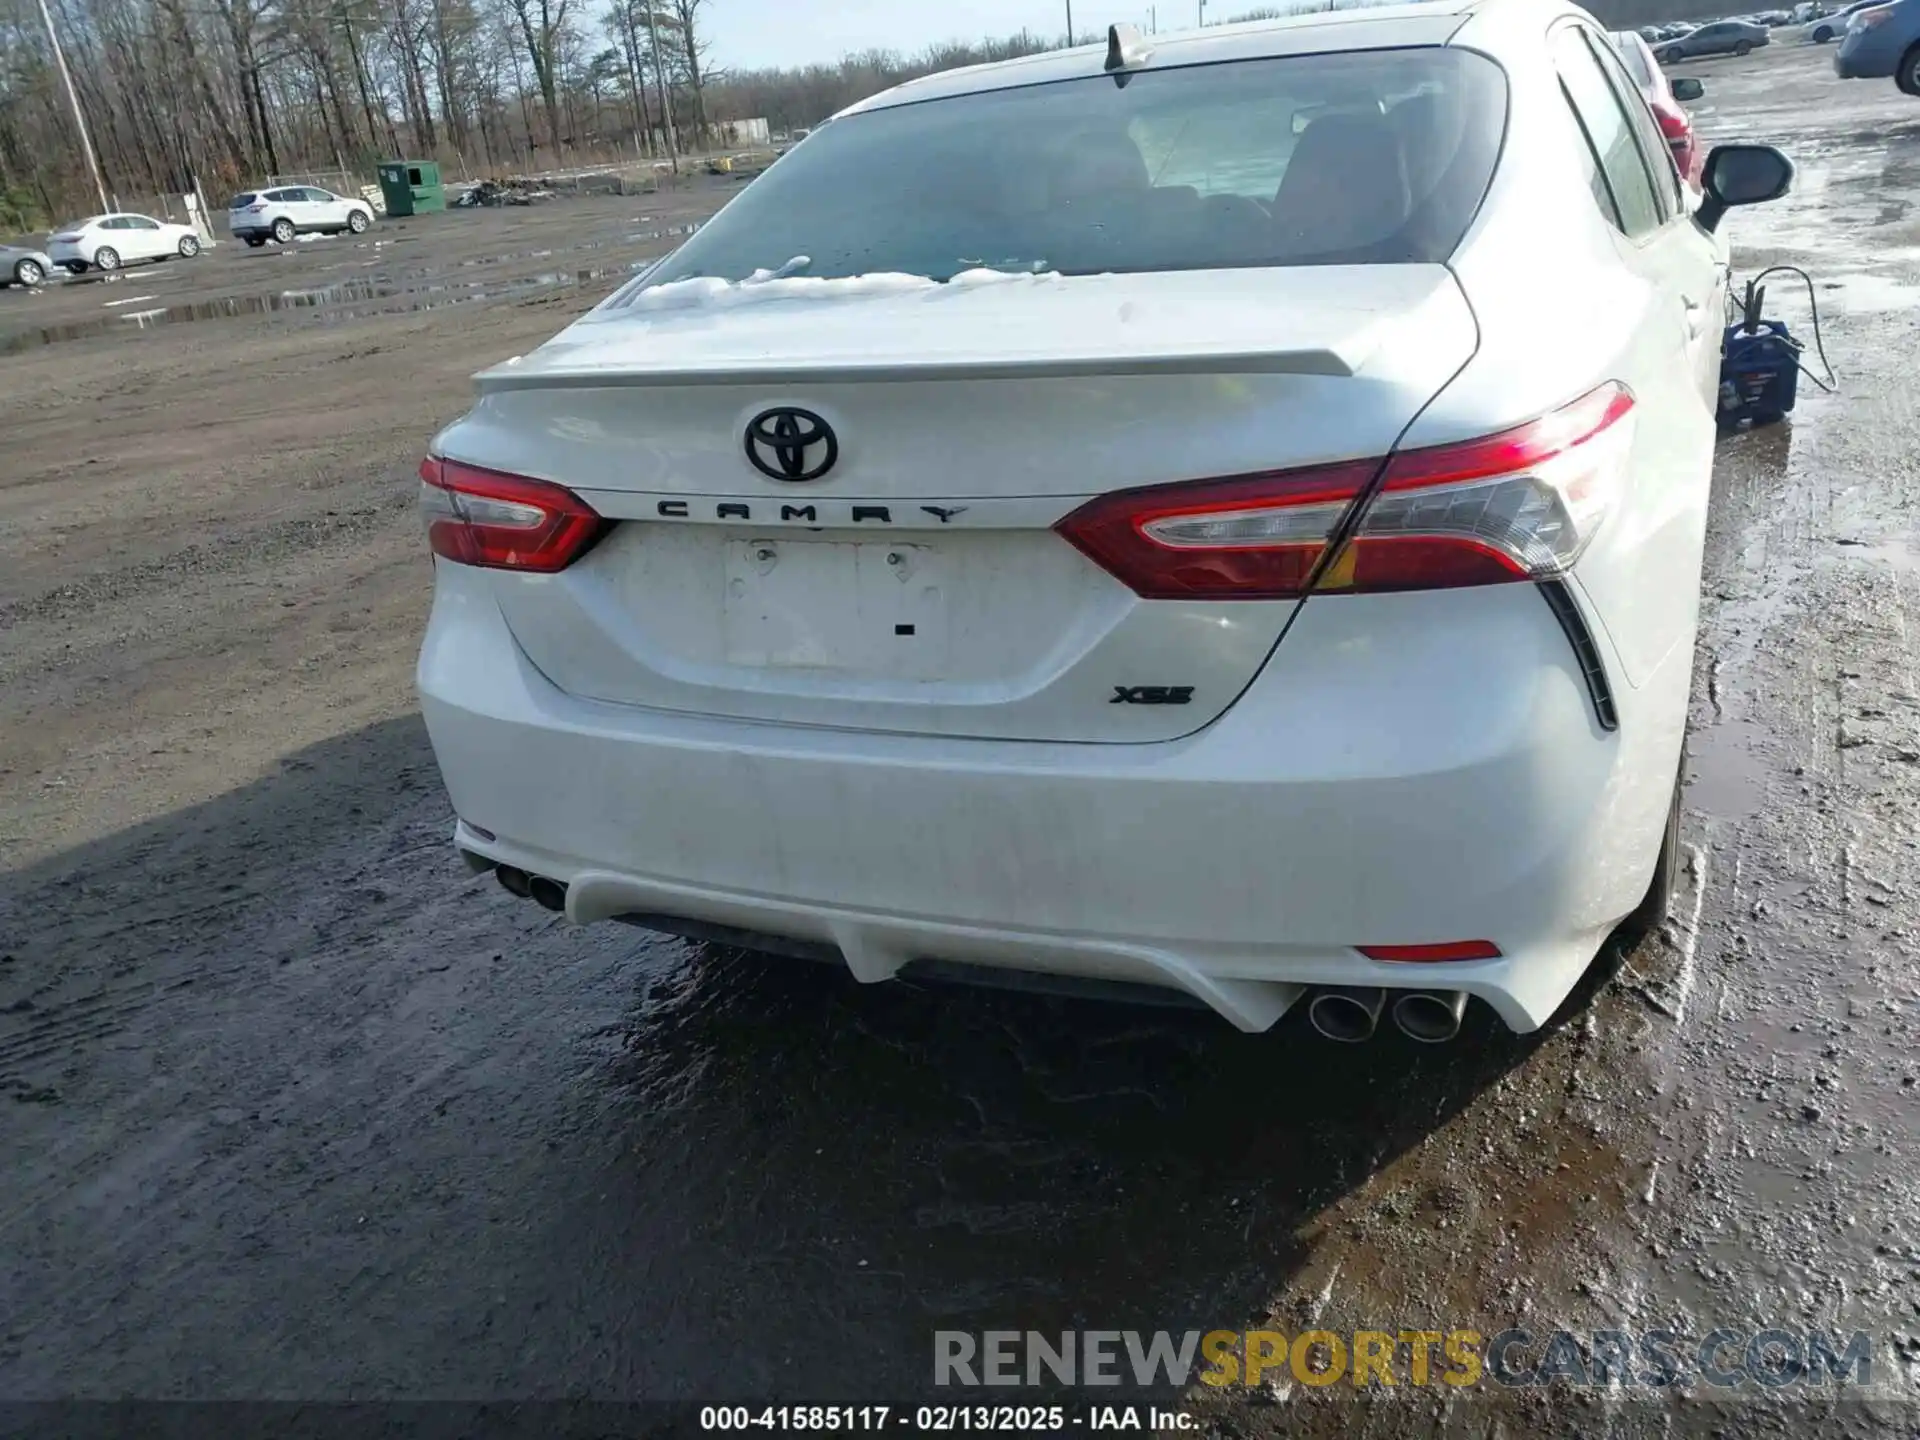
(1868, 54)
(1406, 771)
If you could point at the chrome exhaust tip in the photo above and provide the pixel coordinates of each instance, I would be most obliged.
(1430, 1016)
(1347, 1015)
(551, 894)
(513, 881)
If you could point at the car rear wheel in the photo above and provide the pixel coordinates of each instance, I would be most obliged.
(1672, 57)
(1907, 77)
(283, 231)
(29, 272)
(1822, 35)
(1651, 912)
(189, 247)
(357, 222)
(1745, 47)
(106, 258)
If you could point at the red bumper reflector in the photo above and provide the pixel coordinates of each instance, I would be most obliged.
(1452, 950)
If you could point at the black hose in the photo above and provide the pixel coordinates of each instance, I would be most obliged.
(1813, 306)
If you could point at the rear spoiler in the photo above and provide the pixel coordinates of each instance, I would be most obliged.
(1315, 361)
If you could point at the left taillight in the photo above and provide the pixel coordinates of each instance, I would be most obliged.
(1519, 505)
(503, 522)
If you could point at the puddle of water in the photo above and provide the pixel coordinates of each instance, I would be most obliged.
(1869, 294)
(1727, 776)
(1897, 554)
(333, 303)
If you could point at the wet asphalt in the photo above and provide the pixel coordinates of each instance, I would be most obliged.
(296, 1108)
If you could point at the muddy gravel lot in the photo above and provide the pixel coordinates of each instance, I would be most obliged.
(295, 1108)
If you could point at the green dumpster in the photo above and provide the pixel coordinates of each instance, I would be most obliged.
(412, 187)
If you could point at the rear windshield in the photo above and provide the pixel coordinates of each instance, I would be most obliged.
(1360, 157)
(1634, 57)
(238, 201)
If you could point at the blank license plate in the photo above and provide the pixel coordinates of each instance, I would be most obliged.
(866, 608)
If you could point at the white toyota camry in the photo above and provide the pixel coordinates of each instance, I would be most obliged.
(1220, 512)
(106, 242)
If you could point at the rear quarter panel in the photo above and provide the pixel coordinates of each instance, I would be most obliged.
(1565, 303)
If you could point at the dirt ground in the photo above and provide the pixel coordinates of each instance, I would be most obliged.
(293, 1107)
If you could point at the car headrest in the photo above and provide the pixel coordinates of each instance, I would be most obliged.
(1345, 187)
(1097, 162)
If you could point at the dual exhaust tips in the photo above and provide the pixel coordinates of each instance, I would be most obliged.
(550, 894)
(1351, 1015)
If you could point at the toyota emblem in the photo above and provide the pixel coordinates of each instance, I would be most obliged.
(790, 444)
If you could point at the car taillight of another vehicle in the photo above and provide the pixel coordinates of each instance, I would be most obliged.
(504, 522)
(1519, 505)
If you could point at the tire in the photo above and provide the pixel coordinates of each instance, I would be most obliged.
(1743, 49)
(29, 272)
(1822, 35)
(189, 247)
(1672, 57)
(106, 258)
(1907, 77)
(283, 231)
(357, 221)
(254, 242)
(1651, 912)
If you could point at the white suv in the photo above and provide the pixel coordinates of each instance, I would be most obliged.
(259, 216)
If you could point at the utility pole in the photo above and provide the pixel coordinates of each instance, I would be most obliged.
(1069, 21)
(73, 99)
(1203, 13)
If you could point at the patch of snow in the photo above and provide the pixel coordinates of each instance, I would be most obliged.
(709, 292)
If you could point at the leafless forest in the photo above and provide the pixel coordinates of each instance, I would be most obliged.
(233, 91)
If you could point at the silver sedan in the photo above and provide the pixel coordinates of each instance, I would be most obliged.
(23, 265)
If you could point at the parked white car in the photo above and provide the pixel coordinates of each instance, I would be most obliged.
(257, 216)
(1267, 569)
(106, 242)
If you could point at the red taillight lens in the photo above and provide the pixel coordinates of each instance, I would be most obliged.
(1253, 537)
(503, 522)
(1449, 952)
(1518, 505)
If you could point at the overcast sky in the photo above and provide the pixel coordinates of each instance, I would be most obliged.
(749, 34)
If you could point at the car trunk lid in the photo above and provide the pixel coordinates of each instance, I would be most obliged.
(915, 584)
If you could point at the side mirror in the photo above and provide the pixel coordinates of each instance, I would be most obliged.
(1687, 91)
(1741, 175)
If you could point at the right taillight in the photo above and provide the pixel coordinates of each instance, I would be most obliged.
(503, 522)
(1519, 505)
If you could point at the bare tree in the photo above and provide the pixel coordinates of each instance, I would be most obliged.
(542, 23)
(693, 54)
